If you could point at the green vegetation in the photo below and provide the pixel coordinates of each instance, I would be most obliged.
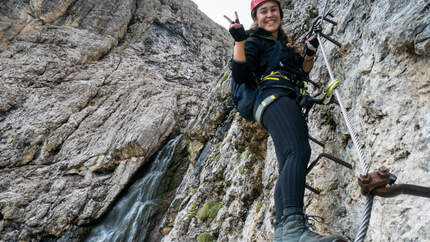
(223, 78)
(192, 191)
(193, 210)
(171, 185)
(258, 207)
(176, 170)
(209, 210)
(205, 237)
(218, 145)
(241, 170)
(218, 157)
(186, 158)
(246, 154)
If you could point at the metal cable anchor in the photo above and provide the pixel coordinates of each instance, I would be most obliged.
(381, 183)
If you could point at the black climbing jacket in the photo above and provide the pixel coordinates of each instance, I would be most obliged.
(258, 51)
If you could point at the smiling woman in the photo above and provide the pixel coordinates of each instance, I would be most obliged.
(269, 17)
(217, 9)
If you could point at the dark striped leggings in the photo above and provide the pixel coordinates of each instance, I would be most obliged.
(289, 131)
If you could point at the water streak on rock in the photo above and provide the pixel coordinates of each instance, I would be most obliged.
(130, 218)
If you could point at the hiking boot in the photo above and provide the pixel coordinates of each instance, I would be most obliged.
(295, 229)
(277, 236)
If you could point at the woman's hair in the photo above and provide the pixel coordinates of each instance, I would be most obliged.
(282, 34)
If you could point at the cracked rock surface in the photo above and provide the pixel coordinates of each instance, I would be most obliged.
(89, 91)
(383, 64)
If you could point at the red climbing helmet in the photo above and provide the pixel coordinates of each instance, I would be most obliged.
(255, 3)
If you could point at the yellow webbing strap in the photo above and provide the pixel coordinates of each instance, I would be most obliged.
(274, 75)
(271, 78)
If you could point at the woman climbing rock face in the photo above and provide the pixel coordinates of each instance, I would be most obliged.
(280, 90)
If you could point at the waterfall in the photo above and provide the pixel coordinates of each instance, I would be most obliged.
(129, 219)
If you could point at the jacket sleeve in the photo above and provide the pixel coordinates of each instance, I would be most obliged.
(245, 71)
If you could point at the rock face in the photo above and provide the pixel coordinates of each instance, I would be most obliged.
(383, 63)
(89, 92)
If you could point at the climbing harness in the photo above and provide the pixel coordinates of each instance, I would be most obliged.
(244, 96)
(297, 88)
(379, 183)
(277, 80)
(281, 79)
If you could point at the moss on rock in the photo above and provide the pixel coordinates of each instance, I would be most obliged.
(193, 210)
(205, 237)
(247, 153)
(191, 191)
(241, 170)
(258, 207)
(209, 210)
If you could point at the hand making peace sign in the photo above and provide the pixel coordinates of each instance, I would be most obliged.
(236, 29)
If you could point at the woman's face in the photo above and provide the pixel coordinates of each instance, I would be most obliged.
(269, 16)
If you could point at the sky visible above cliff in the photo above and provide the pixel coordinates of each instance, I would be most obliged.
(217, 9)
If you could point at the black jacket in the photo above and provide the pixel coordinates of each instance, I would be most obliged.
(257, 52)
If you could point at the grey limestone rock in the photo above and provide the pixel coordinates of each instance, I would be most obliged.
(383, 64)
(89, 91)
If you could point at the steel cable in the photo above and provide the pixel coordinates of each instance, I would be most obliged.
(362, 231)
(351, 130)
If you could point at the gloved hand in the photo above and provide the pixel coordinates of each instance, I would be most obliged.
(238, 34)
(312, 46)
(236, 29)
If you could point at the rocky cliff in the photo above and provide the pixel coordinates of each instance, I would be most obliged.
(227, 193)
(91, 89)
(89, 92)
